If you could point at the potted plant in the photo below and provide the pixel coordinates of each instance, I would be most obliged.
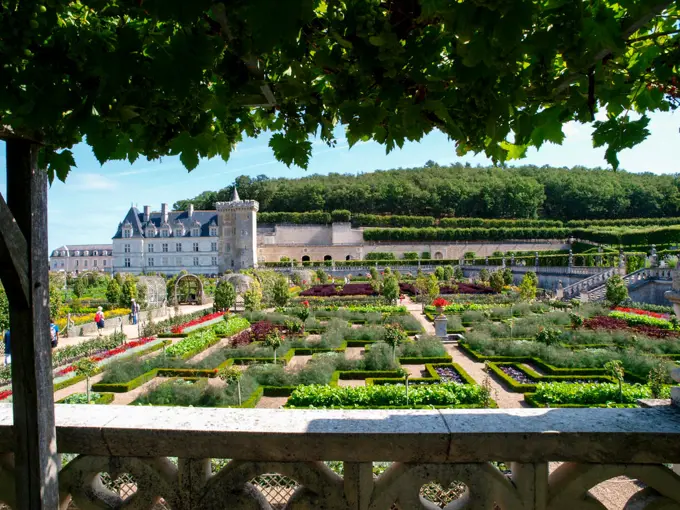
(439, 304)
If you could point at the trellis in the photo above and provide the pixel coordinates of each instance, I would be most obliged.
(155, 290)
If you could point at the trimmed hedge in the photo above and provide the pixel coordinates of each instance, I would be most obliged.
(297, 218)
(423, 361)
(640, 222)
(463, 234)
(629, 236)
(512, 385)
(530, 399)
(375, 220)
(104, 399)
(492, 223)
(430, 367)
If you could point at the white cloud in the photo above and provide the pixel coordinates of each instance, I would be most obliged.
(91, 182)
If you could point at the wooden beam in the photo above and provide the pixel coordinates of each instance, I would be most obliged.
(35, 448)
(14, 256)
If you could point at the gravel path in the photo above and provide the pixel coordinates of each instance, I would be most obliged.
(297, 363)
(354, 352)
(343, 383)
(416, 370)
(271, 402)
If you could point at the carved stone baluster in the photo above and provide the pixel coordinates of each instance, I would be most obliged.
(193, 478)
(358, 485)
(531, 481)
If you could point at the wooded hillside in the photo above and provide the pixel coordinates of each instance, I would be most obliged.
(457, 190)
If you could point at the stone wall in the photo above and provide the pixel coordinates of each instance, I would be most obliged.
(273, 252)
(651, 292)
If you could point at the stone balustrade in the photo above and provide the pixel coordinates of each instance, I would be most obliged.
(165, 454)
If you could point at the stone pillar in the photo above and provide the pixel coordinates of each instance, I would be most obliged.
(536, 259)
(440, 322)
(559, 294)
(675, 390)
(503, 262)
(654, 258)
(571, 258)
(512, 260)
(622, 262)
(598, 259)
(673, 295)
(486, 260)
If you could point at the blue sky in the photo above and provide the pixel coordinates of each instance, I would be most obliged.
(88, 208)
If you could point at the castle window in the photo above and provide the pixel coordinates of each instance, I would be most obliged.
(86, 263)
(126, 262)
(104, 264)
(195, 232)
(151, 262)
(196, 261)
(213, 261)
(164, 247)
(76, 253)
(213, 231)
(126, 248)
(228, 248)
(94, 253)
(63, 253)
(178, 261)
(127, 231)
(165, 232)
(213, 246)
(178, 247)
(94, 263)
(164, 261)
(305, 258)
(150, 248)
(195, 246)
(179, 232)
(86, 253)
(77, 262)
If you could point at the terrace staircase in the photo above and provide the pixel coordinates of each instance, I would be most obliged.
(595, 288)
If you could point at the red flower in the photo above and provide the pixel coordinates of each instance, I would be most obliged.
(200, 320)
(440, 302)
(638, 311)
(305, 304)
(5, 394)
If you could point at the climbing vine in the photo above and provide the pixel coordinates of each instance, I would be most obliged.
(170, 77)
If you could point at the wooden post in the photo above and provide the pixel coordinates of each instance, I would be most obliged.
(36, 459)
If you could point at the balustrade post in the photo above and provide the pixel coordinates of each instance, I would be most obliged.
(531, 481)
(358, 480)
(193, 477)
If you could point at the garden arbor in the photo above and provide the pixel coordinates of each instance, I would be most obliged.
(496, 77)
(188, 290)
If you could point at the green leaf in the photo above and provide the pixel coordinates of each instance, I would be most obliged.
(514, 151)
(60, 164)
(618, 134)
(187, 148)
(290, 150)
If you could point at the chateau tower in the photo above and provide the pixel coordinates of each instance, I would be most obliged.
(237, 223)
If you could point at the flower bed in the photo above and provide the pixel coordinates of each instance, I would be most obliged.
(638, 311)
(448, 375)
(634, 319)
(615, 323)
(351, 289)
(200, 320)
(461, 288)
(589, 394)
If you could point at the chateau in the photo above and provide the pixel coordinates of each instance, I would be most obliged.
(229, 239)
(205, 242)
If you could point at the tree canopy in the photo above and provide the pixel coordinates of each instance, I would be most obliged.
(456, 190)
(162, 77)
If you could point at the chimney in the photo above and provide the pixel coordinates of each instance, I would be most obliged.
(164, 213)
(190, 212)
(147, 213)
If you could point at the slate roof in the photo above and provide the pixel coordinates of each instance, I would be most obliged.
(72, 248)
(136, 220)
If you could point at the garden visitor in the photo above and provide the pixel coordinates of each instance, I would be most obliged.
(99, 320)
(8, 349)
(134, 311)
(54, 333)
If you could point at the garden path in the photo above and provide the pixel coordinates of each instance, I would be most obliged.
(354, 352)
(79, 387)
(130, 330)
(271, 402)
(503, 397)
(297, 362)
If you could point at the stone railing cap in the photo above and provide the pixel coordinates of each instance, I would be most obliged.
(528, 435)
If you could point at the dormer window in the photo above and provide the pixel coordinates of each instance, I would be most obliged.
(213, 231)
(165, 230)
(76, 253)
(179, 232)
(86, 253)
(94, 253)
(151, 231)
(195, 232)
